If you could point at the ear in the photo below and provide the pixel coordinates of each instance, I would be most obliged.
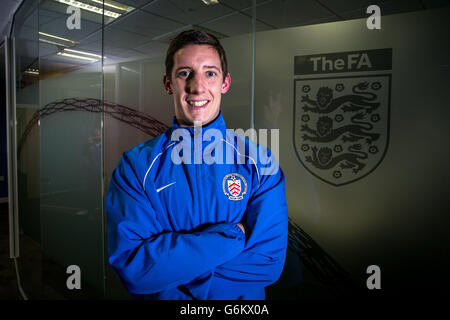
(226, 84)
(167, 84)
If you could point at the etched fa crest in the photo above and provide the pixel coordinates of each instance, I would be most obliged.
(341, 125)
(234, 186)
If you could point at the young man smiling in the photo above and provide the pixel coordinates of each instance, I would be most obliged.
(189, 230)
(197, 83)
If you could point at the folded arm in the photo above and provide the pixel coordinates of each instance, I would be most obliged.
(150, 259)
(262, 260)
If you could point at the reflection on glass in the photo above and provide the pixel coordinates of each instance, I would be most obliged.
(26, 59)
(104, 80)
(71, 147)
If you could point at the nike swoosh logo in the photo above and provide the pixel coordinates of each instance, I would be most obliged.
(159, 189)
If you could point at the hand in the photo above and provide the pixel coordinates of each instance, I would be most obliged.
(240, 225)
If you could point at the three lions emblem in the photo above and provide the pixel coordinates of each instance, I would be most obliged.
(341, 125)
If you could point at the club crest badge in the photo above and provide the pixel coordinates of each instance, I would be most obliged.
(234, 186)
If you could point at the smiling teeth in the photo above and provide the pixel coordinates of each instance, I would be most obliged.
(198, 103)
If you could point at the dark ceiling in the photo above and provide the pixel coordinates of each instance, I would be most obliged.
(144, 32)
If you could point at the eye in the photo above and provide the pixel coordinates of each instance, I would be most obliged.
(210, 73)
(183, 74)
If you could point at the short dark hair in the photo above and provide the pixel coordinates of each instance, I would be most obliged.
(190, 37)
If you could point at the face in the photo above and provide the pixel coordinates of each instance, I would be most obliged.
(196, 84)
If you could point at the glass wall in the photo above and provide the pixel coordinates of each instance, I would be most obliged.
(71, 142)
(362, 136)
(25, 49)
(359, 114)
(59, 134)
(3, 139)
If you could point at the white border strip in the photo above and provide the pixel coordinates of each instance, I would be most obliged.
(254, 162)
(151, 165)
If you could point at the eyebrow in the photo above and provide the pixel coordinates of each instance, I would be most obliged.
(204, 67)
(212, 67)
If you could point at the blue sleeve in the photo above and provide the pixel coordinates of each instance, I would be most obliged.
(150, 259)
(262, 260)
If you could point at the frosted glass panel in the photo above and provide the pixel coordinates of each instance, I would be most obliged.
(70, 126)
(374, 196)
(362, 119)
(25, 43)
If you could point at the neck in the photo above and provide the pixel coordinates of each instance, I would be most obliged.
(196, 124)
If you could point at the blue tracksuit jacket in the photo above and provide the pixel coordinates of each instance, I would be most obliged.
(172, 230)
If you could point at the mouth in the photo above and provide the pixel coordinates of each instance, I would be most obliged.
(198, 104)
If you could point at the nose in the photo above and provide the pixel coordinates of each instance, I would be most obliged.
(195, 84)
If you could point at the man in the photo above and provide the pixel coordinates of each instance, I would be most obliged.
(182, 226)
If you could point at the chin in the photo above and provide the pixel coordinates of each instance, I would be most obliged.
(203, 119)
